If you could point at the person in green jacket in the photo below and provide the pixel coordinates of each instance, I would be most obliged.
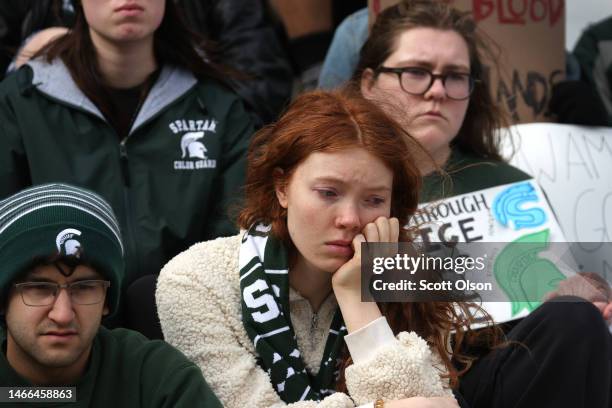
(129, 104)
(62, 270)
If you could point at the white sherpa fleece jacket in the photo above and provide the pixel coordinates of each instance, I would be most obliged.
(198, 301)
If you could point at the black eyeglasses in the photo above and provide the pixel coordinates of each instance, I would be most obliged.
(86, 292)
(416, 81)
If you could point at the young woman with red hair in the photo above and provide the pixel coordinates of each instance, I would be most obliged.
(265, 314)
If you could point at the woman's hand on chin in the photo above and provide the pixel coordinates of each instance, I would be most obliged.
(346, 281)
(348, 276)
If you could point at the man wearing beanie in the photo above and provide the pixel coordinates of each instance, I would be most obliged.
(62, 265)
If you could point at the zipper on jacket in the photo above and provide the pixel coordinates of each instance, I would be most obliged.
(132, 263)
(314, 322)
(123, 162)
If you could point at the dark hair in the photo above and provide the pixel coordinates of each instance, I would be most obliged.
(477, 133)
(173, 43)
(322, 121)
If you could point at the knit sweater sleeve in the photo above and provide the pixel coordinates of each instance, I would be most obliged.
(198, 301)
(396, 368)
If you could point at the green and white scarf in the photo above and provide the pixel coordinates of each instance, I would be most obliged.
(264, 284)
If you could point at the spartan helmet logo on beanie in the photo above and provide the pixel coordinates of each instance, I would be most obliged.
(67, 244)
(60, 219)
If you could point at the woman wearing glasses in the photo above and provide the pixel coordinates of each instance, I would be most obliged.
(422, 64)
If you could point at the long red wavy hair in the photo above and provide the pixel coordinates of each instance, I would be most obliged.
(330, 121)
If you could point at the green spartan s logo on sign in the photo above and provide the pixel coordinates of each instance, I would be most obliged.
(521, 273)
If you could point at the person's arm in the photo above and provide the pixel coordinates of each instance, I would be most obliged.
(392, 368)
(384, 366)
(198, 300)
(199, 310)
(14, 170)
(228, 186)
(343, 53)
(588, 286)
(183, 387)
(346, 281)
(167, 379)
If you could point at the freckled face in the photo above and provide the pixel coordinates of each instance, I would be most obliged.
(329, 198)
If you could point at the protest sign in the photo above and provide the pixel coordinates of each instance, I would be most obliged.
(505, 215)
(531, 38)
(573, 165)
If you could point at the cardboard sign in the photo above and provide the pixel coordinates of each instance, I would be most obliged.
(573, 165)
(531, 37)
(505, 216)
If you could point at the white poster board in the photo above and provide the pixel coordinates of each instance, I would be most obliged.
(502, 216)
(573, 165)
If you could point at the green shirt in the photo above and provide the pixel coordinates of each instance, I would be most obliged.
(467, 173)
(170, 182)
(127, 370)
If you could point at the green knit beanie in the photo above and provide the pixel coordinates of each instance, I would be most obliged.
(58, 219)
